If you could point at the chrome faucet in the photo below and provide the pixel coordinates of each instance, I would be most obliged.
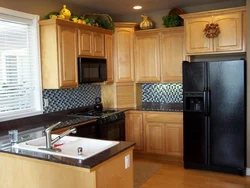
(50, 142)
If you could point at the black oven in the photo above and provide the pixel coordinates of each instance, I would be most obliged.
(114, 130)
(91, 70)
(109, 125)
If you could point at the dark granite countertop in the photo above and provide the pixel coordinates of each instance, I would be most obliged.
(86, 163)
(165, 107)
(45, 120)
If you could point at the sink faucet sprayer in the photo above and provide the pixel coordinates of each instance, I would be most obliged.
(50, 142)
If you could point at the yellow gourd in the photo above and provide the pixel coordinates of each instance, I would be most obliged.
(65, 12)
(146, 23)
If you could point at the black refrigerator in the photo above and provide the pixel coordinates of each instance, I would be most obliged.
(214, 116)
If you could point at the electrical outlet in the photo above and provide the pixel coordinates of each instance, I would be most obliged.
(46, 102)
(127, 161)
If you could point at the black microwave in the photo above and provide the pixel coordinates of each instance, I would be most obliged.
(91, 70)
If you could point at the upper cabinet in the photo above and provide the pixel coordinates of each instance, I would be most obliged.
(172, 54)
(109, 57)
(61, 43)
(230, 39)
(124, 52)
(59, 56)
(147, 57)
(90, 43)
(159, 54)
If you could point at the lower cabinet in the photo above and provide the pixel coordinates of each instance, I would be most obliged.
(156, 132)
(173, 139)
(154, 137)
(134, 129)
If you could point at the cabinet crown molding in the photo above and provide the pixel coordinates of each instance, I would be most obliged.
(127, 24)
(159, 30)
(214, 12)
(75, 25)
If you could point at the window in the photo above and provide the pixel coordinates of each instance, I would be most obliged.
(20, 74)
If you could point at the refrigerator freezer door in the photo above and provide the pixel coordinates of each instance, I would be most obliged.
(195, 145)
(194, 77)
(227, 116)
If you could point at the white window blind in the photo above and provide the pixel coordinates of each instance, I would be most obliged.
(20, 77)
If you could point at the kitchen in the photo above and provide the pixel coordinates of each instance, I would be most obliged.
(96, 91)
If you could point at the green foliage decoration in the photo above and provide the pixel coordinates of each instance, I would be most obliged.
(172, 20)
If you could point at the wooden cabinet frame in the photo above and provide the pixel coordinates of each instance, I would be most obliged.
(232, 23)
(60, 48)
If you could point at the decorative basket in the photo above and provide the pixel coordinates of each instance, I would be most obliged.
(176, 11)
(103, 20)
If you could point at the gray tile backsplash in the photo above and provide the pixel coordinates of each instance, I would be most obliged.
(163, 93)
(63, 99)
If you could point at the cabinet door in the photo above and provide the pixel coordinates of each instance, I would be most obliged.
(154, 137)
(174, 139)
(67, 43)
(172, 55)
(123, 54)
(85, 43)
(147, 58)
(134, 129)
(109, 57)
(98, 45)
(230, 37)
(196, 41)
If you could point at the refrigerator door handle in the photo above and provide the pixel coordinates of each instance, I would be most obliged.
(205, 101)
(208, 101)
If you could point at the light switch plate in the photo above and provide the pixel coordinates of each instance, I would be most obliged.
(127, 161)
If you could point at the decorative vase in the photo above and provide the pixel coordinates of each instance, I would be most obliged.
(146, 23)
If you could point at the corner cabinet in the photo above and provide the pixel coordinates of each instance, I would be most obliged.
(124, 52)
(61, 43)
(159, 55)
(231, 38)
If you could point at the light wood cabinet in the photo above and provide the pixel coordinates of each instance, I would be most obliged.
(164, 133)
(124, 51)
(159, 55)
(173, 139)
(109, 174)
(134, 129)
(109, 57)
(147, 57)
(231, 37)
(90, 43)
(59, 56)
(61, 43)
(154, 137)
(172, 54)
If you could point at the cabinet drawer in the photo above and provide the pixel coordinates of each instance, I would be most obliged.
(170, 117)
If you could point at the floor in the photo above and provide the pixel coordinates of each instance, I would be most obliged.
(173, 175)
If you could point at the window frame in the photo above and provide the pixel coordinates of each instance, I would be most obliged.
(31, 19)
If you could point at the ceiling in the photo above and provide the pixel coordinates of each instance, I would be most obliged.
(119, 7)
